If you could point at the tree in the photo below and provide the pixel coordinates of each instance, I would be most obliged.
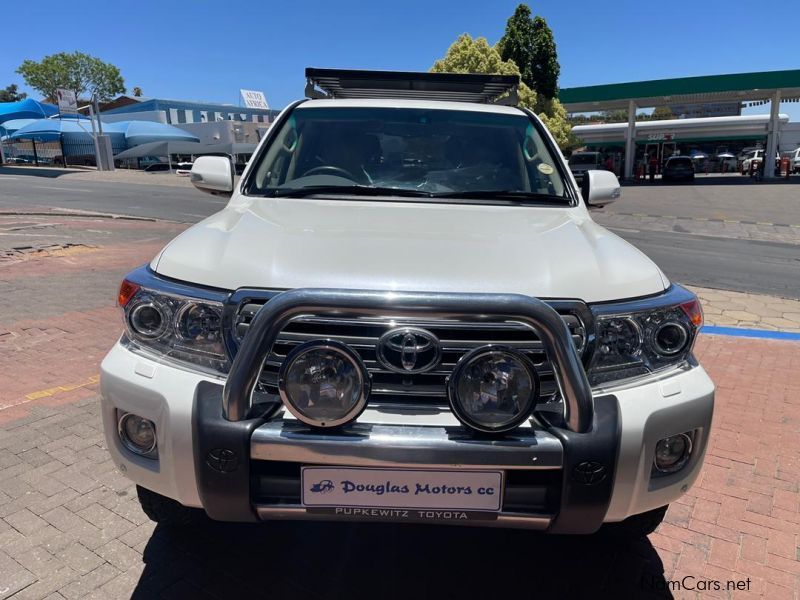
(137, 91)
(10, 94)
(468, 55)
(83, 74)
(529, 43)
(661, 113)
(544, 68)
(517, 43)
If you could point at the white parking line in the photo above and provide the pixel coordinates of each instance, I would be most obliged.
(63, 189)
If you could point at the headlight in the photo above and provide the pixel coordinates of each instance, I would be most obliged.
(323, 383)
(493, 389)
(645, 336)
(177, 326)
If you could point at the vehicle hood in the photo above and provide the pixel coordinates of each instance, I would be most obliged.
(288, 243)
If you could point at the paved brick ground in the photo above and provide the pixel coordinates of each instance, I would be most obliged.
(70, 525)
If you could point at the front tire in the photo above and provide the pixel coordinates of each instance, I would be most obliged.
(166, 511)
(636, 526)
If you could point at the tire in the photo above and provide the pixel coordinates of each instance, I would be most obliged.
(636, 526)
(166, 511)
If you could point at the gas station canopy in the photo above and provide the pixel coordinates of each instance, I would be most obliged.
(683, 90)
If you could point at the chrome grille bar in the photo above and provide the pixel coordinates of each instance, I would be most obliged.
(479, 309)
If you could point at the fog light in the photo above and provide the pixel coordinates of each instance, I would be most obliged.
(137, 434)
(672, 453)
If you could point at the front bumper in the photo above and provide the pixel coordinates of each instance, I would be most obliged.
(543, 487)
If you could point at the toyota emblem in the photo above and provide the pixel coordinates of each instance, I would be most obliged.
(409, 350)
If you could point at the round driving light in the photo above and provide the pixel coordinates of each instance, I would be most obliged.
(324, 383)
(672, 453)
(148, 320)
(493, 389)
(137, 433)
(670, 338)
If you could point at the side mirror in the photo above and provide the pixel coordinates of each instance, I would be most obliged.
(599, 188)
(212, 174)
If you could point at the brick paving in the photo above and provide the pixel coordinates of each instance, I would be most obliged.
(70, 525)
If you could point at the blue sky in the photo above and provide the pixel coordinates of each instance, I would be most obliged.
(204, 50)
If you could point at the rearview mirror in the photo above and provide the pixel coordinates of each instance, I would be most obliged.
(213, 174)
(600, 188)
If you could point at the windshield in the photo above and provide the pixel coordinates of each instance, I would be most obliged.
(416, 151)
(583, 159)
(679, 162)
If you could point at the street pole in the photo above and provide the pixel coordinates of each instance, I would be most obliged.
(94, 137)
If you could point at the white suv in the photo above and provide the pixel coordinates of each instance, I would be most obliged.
(406, 313)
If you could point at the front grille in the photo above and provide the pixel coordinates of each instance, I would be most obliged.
(455, 337)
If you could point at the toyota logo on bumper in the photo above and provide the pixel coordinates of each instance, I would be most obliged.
(409, 350)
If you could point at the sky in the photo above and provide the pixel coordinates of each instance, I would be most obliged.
(208, 51)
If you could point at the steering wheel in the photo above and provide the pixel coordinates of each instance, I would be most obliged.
(331, 170)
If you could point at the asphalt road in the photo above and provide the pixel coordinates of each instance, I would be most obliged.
(736, 264)
(172, 203)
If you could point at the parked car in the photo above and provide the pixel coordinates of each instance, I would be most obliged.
(581, 162)
(794, 160)
(678, 167)
(406, 313)
(754, 160)
(157, 167)
(183, 168)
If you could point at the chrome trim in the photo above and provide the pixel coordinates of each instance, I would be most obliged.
(609, 387)
(364, 445)
(296, 512)
(151, 452)
(274, 316)
(464, 362)
(353, 413)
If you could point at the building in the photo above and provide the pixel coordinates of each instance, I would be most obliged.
(712, 90)
(211, 123)
(710, 137)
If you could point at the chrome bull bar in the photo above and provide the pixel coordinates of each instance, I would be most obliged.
(275, 315)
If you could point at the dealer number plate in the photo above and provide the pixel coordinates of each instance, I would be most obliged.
(402, 488)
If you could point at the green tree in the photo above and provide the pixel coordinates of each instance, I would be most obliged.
(137, 91)
(475, 55)
(517, 43)
(544, 68)
(10, 94)
(661, 113)
(83, 74)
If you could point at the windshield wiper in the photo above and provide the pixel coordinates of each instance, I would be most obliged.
(502, 195)
(358, 190)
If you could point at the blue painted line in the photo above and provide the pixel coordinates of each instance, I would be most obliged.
(751, 333)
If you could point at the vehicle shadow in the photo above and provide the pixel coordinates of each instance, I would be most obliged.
(714, 179)
(337, 560)
(46, 172)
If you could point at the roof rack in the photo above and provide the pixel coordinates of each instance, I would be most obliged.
(453, 87)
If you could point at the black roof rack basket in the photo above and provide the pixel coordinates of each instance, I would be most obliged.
(453, 87)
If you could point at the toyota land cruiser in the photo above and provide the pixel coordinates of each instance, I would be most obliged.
(405, 312)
